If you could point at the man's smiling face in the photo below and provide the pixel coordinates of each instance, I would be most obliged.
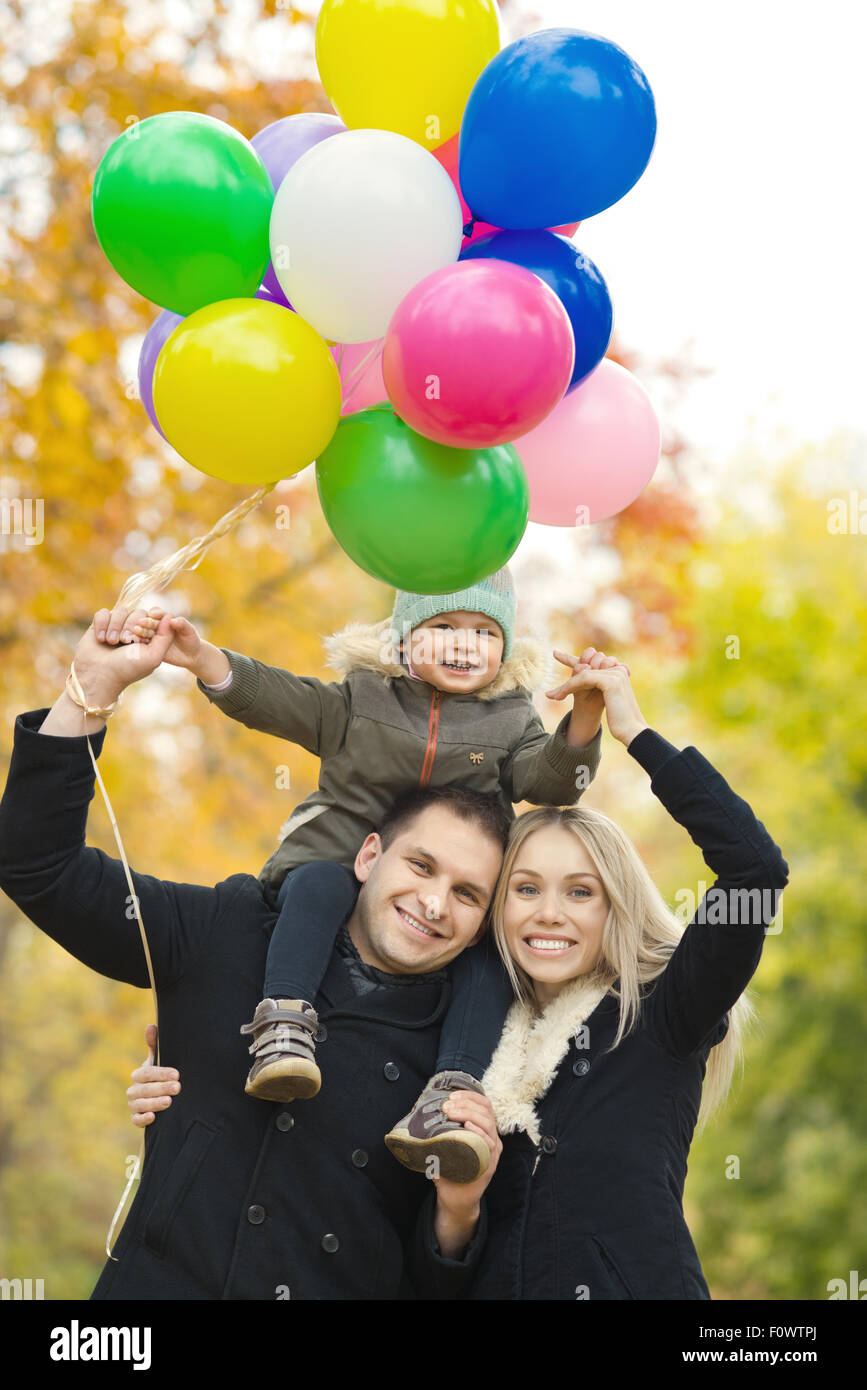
(424, 898)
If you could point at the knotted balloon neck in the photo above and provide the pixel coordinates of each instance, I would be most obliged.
(468, 229)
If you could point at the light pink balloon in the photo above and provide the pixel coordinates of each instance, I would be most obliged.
(360, 374)
(598, 450)
(477, 354)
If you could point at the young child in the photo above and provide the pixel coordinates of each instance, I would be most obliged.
(439, 694)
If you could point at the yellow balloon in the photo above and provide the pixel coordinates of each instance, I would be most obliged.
(405, 65)
(247, 391)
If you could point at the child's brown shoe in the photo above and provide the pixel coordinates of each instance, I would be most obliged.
(283, 1048)
(427, 1142)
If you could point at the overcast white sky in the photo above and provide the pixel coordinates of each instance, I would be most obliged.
(746, 232)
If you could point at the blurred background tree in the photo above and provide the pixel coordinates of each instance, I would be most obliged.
(199, 797)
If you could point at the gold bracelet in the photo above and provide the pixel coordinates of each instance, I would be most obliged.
(76, 694)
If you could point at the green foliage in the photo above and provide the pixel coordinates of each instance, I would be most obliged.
(785, 722)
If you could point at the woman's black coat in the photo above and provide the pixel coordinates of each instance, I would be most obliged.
(594, 1211)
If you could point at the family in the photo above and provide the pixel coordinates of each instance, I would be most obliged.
(478, 1045)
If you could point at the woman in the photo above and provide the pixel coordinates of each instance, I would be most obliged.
(622, 1018)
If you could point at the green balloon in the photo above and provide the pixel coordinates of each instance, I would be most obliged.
(416, 514)
(181, 208)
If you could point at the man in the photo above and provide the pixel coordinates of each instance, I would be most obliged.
(240, 1199)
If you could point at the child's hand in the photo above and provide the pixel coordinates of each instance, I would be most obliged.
(124, 625)
(587, 701)
(186, 647)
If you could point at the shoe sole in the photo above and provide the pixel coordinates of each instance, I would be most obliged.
(460, 1159)
(286, 1080)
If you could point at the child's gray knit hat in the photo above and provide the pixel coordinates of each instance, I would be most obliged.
(494, 596)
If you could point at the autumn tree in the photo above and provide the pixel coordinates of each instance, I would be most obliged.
(197, 796)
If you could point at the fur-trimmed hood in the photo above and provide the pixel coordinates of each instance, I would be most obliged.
(530, 1050)
(369, 647)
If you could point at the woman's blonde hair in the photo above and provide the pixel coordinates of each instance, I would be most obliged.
(639, 937)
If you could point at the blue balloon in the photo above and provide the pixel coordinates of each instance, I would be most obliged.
(572, 276)
(559, 126)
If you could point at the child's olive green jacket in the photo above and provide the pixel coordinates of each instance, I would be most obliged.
(380, 731)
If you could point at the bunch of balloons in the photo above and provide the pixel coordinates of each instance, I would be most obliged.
(391, 290)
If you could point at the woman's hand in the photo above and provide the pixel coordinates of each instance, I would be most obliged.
(459, 1203)
(613, 685)
(587, 703)
(153, 1087)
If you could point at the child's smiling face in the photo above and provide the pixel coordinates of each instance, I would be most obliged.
(456, 652)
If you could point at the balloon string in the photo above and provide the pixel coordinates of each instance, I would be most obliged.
(358, 371)
(158, 576)
(133, 898)
(190, 556)
(130, 1183)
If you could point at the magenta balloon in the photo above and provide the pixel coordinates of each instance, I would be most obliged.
(360, 369)
(595, 453)
(278, 146)
(477, 354)
(162, 327)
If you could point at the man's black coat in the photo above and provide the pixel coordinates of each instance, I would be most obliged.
(239, 1198)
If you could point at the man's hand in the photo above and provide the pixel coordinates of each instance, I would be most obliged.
(153, 1087)
(186, 648)
(115, 665)
(458, 1204)
(104, 672)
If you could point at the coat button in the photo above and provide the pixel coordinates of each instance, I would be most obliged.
(321, 1033)
(359, 1158)
(549, 1144)
(255, 1215)
(284, 1120)
(330, 1244)
(581, 1067)
(391, 1071)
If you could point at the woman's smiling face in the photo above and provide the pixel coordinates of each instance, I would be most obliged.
(555, 909)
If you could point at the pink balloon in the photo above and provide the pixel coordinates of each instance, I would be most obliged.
(477, 354)
(447, 155)
(597, 451)
(360, 370)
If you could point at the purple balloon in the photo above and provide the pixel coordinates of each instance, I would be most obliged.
(279, 145)
(273, 296)
(161, 329)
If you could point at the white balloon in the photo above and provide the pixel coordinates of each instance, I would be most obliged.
(358, 221)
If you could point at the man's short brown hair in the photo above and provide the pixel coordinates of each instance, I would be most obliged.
(477, 808)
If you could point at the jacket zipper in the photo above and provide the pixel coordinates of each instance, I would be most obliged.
(430, 750)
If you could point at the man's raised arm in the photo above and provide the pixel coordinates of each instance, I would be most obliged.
(79, 896)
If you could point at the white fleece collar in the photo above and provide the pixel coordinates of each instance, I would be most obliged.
(367, 646)
(530, 1050)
